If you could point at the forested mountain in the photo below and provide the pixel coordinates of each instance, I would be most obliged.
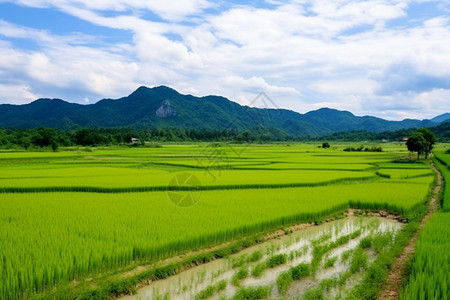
(163, 107)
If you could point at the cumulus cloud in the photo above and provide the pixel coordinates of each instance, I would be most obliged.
(175, 11)
(366, 56)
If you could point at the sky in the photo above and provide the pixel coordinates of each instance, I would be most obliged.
(389, 59)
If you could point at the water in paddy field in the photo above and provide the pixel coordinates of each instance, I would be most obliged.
(298, 248)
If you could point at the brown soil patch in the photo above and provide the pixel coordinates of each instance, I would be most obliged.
(392, 288)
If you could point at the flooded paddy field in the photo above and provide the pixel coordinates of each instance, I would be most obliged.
(330, 257)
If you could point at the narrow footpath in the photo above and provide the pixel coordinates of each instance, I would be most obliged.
(392, 288)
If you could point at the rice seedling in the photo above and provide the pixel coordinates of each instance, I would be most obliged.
(284, 281)
(241, 274)
(252, 293)
(430, 273)
(211, 290)
(329, 262)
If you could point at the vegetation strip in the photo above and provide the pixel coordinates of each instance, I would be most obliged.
(24, 190)
(392, 287)
(428, 272)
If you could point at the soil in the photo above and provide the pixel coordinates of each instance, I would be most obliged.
(392, 288)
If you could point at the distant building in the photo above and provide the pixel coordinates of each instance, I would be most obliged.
(134, 140)
(405, 139)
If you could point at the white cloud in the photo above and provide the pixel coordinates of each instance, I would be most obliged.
(303, 54)
(14, 93)
(176, 10)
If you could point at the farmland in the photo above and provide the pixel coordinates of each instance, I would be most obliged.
(429, 278)
(83, 214)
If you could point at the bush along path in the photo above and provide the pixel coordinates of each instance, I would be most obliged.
(392, 288)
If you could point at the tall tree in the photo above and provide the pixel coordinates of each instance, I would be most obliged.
(430, 139)
(416, 143)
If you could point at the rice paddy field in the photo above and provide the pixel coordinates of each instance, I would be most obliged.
(430, 270)
(80, 215)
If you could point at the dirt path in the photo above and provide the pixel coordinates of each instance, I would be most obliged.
(391, 290)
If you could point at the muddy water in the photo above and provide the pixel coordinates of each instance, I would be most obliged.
(297, 246)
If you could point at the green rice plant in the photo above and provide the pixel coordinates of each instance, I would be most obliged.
(330, 261)
(300, 271)
(165, 296)
(298, 252)
(51, 237)
(359, 260)
(322, 238)
(276, 260)
(314, 294)
(365, 242)
(221, 285)
(405, 173)
(346, 255)
(271, 262)
(211, 290)
(252, 293)
(284, 281)
(320, 250)
(382, 240)
(285, 278)
(255, 256)
(259, 269)
(241, 274)
(443, 156)
(442, 162)
(239, 261)
(430, 272)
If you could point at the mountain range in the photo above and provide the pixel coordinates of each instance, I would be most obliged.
(166, 108)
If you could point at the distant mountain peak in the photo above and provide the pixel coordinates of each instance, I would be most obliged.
(163, 106)
(330, 110)
(441, 118)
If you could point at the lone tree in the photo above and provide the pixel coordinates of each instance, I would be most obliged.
(430, 138)
(421, 141)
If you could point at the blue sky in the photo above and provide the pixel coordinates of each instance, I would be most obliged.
(376, 57)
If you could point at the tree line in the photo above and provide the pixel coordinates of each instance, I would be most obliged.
(43, 137)
(442, 133)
